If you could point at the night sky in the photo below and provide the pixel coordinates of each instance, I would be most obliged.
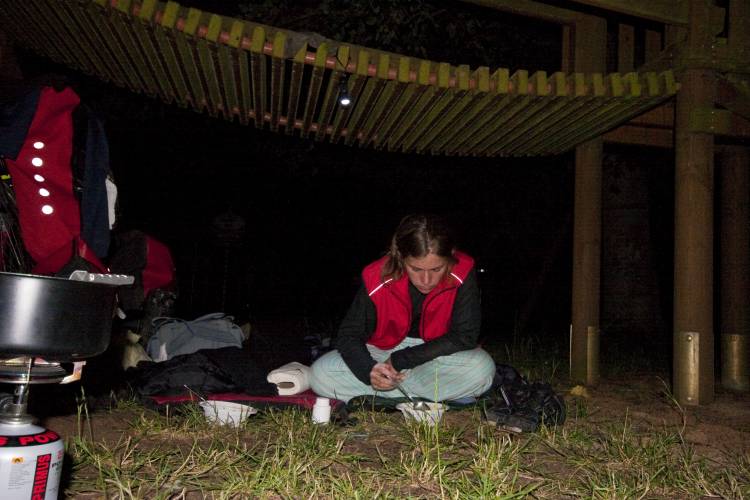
(316, 213)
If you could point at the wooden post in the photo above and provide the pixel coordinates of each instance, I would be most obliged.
(693, 341)
(586, 262)
(734, 168)
(739, 28)
(625, 48)
(735, 232)
(589, 56)
(653, 45)
(566, 52)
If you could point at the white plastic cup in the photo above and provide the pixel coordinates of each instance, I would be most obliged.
(321, 413)
(431, 416)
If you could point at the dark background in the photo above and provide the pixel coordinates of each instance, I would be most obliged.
(315, 213)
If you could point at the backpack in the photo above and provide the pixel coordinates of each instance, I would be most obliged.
(522, 406)
(149, 260)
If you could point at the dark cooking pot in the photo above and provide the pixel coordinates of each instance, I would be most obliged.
(55, 318)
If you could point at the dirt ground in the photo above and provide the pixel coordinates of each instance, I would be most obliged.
(723, 425)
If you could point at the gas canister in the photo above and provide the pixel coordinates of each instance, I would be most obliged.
(31, 459)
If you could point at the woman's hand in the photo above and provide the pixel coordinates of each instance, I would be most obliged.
(383, 377)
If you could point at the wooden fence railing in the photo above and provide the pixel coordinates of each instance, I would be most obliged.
(277, 80)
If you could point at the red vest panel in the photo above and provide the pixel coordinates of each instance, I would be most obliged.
(393, 304)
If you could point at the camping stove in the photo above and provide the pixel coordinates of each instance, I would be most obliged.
(60, 320)
(31, 456)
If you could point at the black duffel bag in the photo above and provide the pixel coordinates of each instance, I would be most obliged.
(522, 406)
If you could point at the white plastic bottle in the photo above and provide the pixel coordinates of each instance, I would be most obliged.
(321, 413)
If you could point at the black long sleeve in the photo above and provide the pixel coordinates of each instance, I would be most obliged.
(356, 327)
(359, 323)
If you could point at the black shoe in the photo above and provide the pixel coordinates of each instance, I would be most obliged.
(516, 421)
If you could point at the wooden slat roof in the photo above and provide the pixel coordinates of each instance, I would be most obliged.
(289, 82)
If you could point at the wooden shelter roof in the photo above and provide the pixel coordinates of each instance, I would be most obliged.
(289, 82)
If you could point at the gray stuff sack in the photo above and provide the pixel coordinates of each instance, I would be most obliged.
(174, 336)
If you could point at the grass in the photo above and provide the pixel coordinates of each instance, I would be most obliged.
(281, 454)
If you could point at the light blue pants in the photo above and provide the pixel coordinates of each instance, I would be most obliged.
(462, 374)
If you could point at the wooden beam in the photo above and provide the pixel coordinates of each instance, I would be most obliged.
(653, 128)
(719, 122)
(670, 12)
(659, 117)
(733, 97)
(661, 11)
(678, 56)
(641, 136)
(529, 8)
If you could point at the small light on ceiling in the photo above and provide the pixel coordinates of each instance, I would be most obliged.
(43, 192)
(47, 209)
(38, 145)
(345, 99)
(37, 162)
(38, 178)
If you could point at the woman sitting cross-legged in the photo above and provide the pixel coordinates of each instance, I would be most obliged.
(415, 321)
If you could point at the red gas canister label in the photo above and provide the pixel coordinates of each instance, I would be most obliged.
(41, 474)
(37, 439)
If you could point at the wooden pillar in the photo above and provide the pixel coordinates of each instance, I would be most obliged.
(734, 168)
(735, 231)
(693, 338)
(625, 48)
(739, 29)
(589, 56)
(653, 45)
(587, 231)
(693, 367)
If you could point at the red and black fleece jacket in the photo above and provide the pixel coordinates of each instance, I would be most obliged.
(384, 313)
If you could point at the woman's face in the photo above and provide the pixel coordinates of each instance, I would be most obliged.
(426, 272)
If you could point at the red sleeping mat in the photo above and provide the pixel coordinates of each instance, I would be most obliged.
(304, 399)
